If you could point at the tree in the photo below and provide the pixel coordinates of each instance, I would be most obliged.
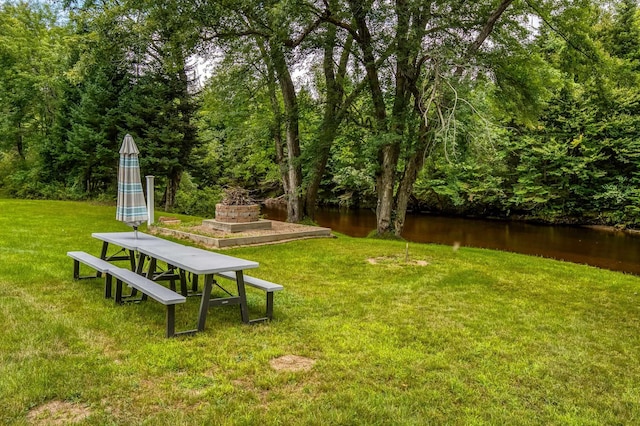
(33, 48)
(83, 154)
(413, 54)
(622, 37)
(31, 52)
(236, 127)
(336, 55)
(274, 30)
(161, 103)
(131, 75)
(581, 161)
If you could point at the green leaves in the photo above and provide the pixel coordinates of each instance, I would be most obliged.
(31, 49)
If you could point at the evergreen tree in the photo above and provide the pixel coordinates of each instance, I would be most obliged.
(32, 52)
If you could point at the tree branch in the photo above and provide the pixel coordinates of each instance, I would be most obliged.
(327, 16)
(557, 31)
(485, 32)
(236, 34)
(305, 33)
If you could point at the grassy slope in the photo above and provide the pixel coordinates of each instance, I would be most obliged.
(476, 336)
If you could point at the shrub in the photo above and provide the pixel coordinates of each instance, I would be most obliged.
(195, 201)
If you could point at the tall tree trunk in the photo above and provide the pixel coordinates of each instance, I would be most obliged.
(292, 134)
(276, 130)
(385, 182)
(334, 112)
(276, 125)
(401, 104)
(388, 154)
(173, 183)
(412, 168)
(20, 142)
(326, 138)
(416, 160)
(188, 141)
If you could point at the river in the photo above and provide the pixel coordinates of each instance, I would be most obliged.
(618, 251)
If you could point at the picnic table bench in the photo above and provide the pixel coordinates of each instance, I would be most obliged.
(261, 284)
(148, 288)
(101, 267)
(156, 291)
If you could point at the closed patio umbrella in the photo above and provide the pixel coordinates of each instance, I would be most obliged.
(131, 208)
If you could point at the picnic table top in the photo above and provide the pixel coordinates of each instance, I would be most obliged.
(192, 259)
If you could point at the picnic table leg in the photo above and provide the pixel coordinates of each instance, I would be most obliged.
(270, 305)
(183, 282)
(118, 298)
(172, 280)
(76, 269)
(139, 268)
(103, 253)
(244, 309)
(171, 321)
(194, 283)
(108, 286)
(150, 272)
(204, 302)
(103, 256)
(132, 259)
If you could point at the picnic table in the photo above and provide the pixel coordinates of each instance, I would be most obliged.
(141, 246)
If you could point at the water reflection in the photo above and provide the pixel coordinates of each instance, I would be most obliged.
(612, 250)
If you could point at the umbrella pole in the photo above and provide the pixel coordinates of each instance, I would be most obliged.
(135, 232)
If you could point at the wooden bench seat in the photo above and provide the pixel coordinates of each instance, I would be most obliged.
(261, 284)
(101, 267)
(156, 291)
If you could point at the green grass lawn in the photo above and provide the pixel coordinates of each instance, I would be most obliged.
(473, 337)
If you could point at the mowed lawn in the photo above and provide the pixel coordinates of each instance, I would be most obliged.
(446, 337)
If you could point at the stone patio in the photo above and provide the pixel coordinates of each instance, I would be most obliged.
(215, 238)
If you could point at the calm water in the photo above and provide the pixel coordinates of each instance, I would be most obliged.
(611, 250)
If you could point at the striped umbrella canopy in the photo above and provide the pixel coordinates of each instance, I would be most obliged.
(131, 208)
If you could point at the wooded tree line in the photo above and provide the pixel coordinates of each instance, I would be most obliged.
(495, 108)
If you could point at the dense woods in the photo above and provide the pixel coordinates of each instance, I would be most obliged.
(506, 108)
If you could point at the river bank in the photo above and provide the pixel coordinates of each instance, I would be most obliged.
(602, 246)
(607, 228)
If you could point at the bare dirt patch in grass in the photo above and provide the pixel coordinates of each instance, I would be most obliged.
(397, 260)
(292, 363)
(58, 413)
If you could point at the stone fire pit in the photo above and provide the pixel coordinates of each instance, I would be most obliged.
(237, 214)
(237, 218)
